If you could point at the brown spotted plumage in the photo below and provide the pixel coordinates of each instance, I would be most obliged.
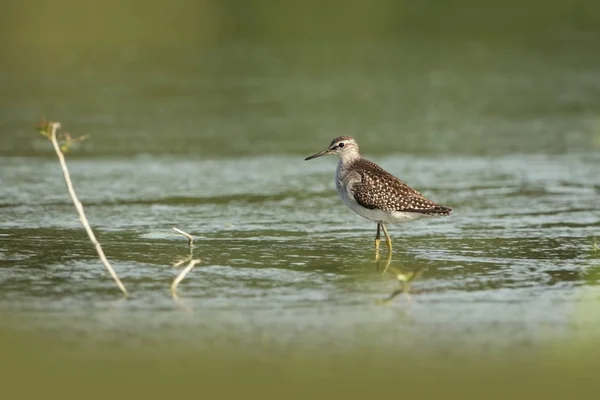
(374, 193)
(379, 189)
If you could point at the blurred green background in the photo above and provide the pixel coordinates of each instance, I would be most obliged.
(227, 79)
(219, 78)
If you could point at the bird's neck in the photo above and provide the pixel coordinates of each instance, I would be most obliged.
(348, 159)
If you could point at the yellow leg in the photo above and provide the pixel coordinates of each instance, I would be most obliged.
(377, 243)
(388, 241)
(388, 261)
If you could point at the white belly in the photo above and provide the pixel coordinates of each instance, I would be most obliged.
(343, 184)
(376, 215)
(393, 217)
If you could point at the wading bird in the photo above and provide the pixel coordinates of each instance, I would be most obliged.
(374, 193)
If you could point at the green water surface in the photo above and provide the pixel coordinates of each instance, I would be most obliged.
(200, 117)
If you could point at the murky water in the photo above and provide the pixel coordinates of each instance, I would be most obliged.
(211, 139)
(281, 254)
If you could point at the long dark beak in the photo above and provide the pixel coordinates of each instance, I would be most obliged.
(319, 154)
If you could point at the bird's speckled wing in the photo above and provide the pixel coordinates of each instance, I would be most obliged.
(379, 189)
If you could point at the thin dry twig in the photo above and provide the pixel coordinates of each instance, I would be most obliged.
(187, 235)
(54, 126)
(188, 268)
(182, 275)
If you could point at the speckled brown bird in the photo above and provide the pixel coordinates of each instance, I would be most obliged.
(375, 194)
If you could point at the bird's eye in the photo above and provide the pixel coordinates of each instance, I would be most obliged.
(341, 145)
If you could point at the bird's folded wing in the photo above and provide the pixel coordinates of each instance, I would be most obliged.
(379, 189)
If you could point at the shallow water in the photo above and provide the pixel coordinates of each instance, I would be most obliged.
(502, 125)
(282, 256)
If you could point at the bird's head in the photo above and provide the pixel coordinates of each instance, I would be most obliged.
(345, 147)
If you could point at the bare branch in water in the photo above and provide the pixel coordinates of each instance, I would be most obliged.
(404, 281)
(187, 235)
(49, 129)
(188, 268)
(182, 275)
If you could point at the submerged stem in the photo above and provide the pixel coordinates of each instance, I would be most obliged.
(182, 275)
(54, 126)
(188, 268)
